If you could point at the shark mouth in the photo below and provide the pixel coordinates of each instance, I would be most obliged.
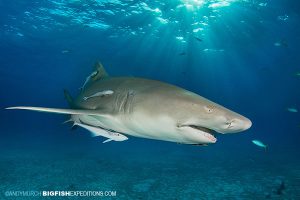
(208, 133)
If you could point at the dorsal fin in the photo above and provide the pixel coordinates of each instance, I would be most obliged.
(100, 72)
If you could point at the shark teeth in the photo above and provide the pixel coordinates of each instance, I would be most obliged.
(211, 137)
(206, 132)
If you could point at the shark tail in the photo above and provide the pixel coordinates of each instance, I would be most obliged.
(59, 110)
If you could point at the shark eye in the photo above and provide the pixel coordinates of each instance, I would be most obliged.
(209, 108)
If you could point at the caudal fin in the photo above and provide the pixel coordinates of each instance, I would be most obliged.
(59, 110)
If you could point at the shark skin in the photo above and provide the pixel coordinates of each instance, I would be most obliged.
(149, 109)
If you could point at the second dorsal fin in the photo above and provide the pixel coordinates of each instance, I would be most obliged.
(69, 98)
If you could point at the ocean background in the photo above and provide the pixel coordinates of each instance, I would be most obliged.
(242, 54)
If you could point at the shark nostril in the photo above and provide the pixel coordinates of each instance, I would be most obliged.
(229, 123)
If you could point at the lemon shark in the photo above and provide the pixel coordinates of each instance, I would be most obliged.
(117, 107)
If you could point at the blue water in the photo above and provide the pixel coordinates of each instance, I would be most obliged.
(247, 60)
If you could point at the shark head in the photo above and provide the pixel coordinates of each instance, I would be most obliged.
(191, 118)
(205, 121)
(200, 119)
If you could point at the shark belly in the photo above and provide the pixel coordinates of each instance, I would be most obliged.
(137, 126)
(143, 126)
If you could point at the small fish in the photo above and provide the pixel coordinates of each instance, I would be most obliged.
(98, 131)
(277, 44)
(100, 94)
(283, 17)
(93, 74)
(294, 110)
(263, 4)
(297, 74)
(182, 54)
(198, 39)
(65, 51)
(259, 143)
(281, 43)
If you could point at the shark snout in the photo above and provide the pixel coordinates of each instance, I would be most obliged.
(238, 125)
(235, 125)
(247, 123)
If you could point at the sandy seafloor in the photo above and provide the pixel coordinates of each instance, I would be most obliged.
(149, 170)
